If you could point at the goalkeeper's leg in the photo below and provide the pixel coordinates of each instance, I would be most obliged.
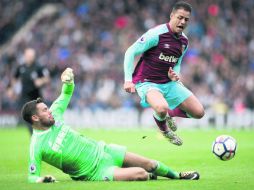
(157, 168)
(151, 166)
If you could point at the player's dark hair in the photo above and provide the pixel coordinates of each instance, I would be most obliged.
(29, 109)
(182, 5)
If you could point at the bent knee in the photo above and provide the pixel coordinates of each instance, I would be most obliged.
(151, 165)
(161, 109)
(199, 114)
(141, 175)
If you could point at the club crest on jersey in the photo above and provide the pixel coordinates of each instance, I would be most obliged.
(141, 40)
(32, 168)
(58, 123)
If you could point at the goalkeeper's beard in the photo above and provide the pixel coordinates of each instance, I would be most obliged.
(48, 123)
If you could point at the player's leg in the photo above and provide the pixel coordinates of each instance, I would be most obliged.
(192, 107)
(183, 103)
(160, 107)
(151, 166)
(108, 171)
(130, 174)
(151, 95)
(110, 167)
(156, 168)
(133, 167)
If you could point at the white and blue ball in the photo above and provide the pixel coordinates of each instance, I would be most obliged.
(224, 147)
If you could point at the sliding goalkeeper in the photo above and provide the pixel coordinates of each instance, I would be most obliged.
(80, 157)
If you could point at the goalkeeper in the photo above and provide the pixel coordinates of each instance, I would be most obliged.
(82, 158)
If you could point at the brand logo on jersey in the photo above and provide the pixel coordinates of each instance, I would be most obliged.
(141, 40)
(32, 168)
(167, 46)
(171, 59)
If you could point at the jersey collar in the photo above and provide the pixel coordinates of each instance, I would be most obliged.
(177, 36)
(41, 132)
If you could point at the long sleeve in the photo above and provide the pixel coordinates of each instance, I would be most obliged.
(34, 169)
(177, 67)
(61, 103)
(145, 42)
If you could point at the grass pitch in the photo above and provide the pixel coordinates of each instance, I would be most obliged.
(195, 154)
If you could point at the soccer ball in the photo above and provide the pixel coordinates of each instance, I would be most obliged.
(224, 147)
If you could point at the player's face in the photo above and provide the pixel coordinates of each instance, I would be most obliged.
(44, 115)
(29, 56)
(179, 19)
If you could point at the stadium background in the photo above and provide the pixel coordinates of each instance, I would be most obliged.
(91, 37)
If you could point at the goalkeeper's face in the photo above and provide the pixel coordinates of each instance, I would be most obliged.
(44, 115)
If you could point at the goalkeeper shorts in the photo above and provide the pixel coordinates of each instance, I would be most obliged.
(111, 158)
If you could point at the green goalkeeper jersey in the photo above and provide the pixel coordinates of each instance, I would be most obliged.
(62, 147)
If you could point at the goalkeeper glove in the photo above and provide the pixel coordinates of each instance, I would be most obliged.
(67, 76)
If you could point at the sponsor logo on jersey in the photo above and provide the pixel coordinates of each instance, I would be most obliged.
(59, 139)
(171, 59)
(142, 40)
(32, 168)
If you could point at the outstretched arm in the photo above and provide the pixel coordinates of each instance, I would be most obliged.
(60, 104)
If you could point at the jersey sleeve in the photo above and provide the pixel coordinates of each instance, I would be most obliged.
(145, 42)
(34, 169)
(61, 103)
(177, 67)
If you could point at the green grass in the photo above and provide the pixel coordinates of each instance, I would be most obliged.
(195, 154)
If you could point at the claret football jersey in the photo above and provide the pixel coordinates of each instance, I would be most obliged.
(160, 49)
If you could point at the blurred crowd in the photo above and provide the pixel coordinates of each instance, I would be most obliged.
(13, 14)
(92, 36)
